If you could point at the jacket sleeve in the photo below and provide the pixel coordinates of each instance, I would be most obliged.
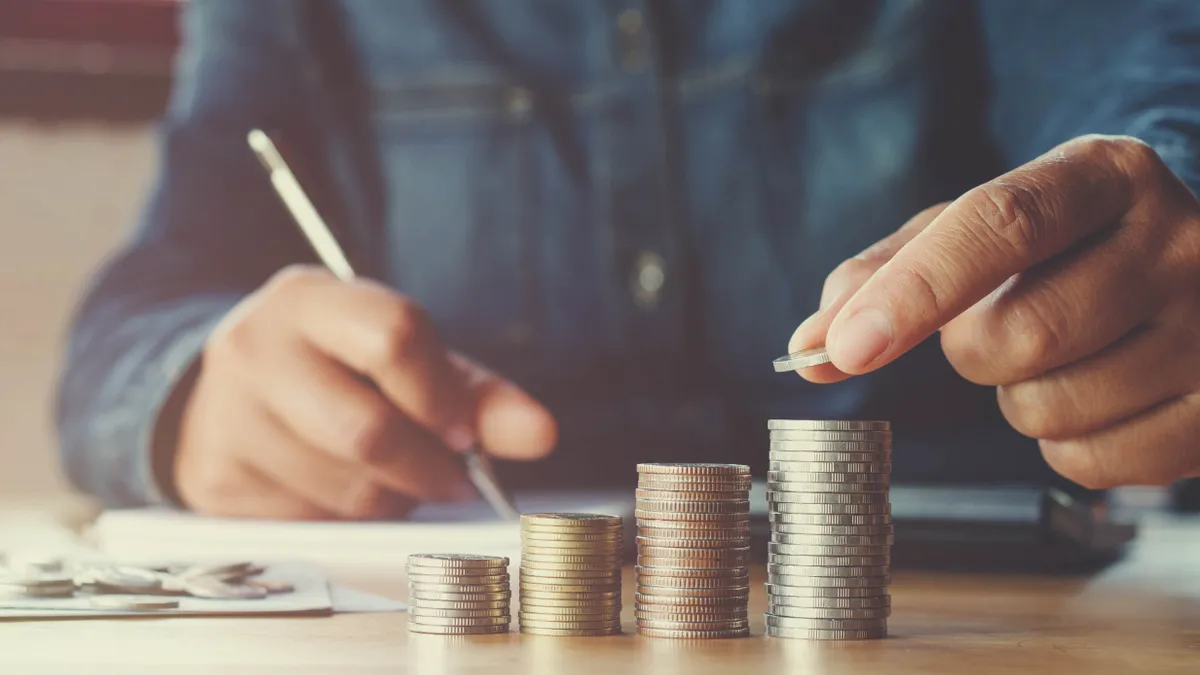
(211, 232)
(1065, 68)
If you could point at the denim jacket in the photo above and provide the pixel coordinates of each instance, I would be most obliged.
(626, 206)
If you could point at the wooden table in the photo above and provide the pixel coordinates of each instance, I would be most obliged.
(1140, 616)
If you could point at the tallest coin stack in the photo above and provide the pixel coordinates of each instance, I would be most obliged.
(829, 561)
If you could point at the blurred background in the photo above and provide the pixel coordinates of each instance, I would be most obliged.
(82, 83)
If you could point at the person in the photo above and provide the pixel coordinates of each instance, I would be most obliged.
(590, 226)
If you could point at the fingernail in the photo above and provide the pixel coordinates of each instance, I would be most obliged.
(459, 437)
(864, 337)
(792, 344)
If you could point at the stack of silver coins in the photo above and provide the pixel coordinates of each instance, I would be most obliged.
(829, 562)
(458, 594)
(693, 547)
(571, 574)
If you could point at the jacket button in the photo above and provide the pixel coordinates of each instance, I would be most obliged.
(631, 40)
(649, 277)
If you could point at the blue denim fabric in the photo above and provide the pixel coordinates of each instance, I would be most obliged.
(508, 163)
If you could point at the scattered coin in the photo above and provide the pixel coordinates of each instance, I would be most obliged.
(132, 603)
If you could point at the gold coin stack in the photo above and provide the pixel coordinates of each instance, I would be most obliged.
(570, 574)
(693, 546)
(458, 594)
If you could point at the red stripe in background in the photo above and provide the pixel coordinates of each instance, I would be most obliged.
(140, 23)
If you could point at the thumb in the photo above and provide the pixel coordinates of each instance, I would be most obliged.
(508, 422)
(843, 283)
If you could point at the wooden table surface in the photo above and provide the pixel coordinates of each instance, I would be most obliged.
(1140, 616)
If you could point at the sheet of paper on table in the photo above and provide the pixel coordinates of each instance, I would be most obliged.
(469, 527)
(313, 596)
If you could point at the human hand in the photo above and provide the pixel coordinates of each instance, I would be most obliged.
(1072, 284)
(319, 399)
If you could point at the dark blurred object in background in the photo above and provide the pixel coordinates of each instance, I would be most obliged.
(1185, 495)
(92, 59)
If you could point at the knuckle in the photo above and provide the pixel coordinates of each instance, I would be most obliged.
(367, 435)
(293, 279)
(1033, 339)
(1080, 463)
(402, 329)
(1029, 411)
(1008, 214)
(365, 499)
(1132, 154)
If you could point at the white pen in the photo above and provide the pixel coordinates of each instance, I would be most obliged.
(479, 468)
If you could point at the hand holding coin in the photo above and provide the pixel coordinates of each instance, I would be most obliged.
(1072, 284)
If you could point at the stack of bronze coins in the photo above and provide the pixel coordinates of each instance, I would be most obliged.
(693, 547)
(829, 561)
(458, 594)
(570, 574)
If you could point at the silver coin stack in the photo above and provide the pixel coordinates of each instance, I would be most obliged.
(829, 562)
(458, 594)
(693, 547)
(571, 574)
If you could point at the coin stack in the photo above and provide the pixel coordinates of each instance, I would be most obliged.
(458, 594)
(571, 574)
(829, 559)
(693, 546)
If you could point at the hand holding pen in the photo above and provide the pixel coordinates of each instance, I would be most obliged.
(321, 397)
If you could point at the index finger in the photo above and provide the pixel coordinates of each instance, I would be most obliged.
(982, 239)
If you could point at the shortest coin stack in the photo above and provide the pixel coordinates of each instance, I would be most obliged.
(693, 544)
(458, 594)
(571, 574)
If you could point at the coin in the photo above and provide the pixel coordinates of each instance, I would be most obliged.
(826, 571)
(131, 603)
(208, 587)
(813, 535)
(776, 497)
(732, 624)
(587, 536)
(801, 523)
(691, 486)
(825, 624)
(809, 634)
(694, 634)
(570, 632)
(777, 549)
(796, 471)
(813, 602)
(422, 611)
(664, 538)
(829, 614)
(595, 597)
(686, 592)
(458, 580)
(675, 507)
(645, 600)
(788, 508)
(707, 469)
(702, 613)
(579, 609)
(831, 582)
(571, 559)
(666, 568)
(800, 451)
(645, 516)
(799, 472)
(691, 495)
(775, 590)
(663, 581)
(445, 604)
(698, 529)
(830, 560)
(496, 596)
(457, 630)
(805, 435)
(458, 621)
(831, 425)
(693, 553)
(463, 589)
(570, 520)
(441, 561)
(805, 358)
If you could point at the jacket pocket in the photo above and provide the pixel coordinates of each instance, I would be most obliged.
(455, 153)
